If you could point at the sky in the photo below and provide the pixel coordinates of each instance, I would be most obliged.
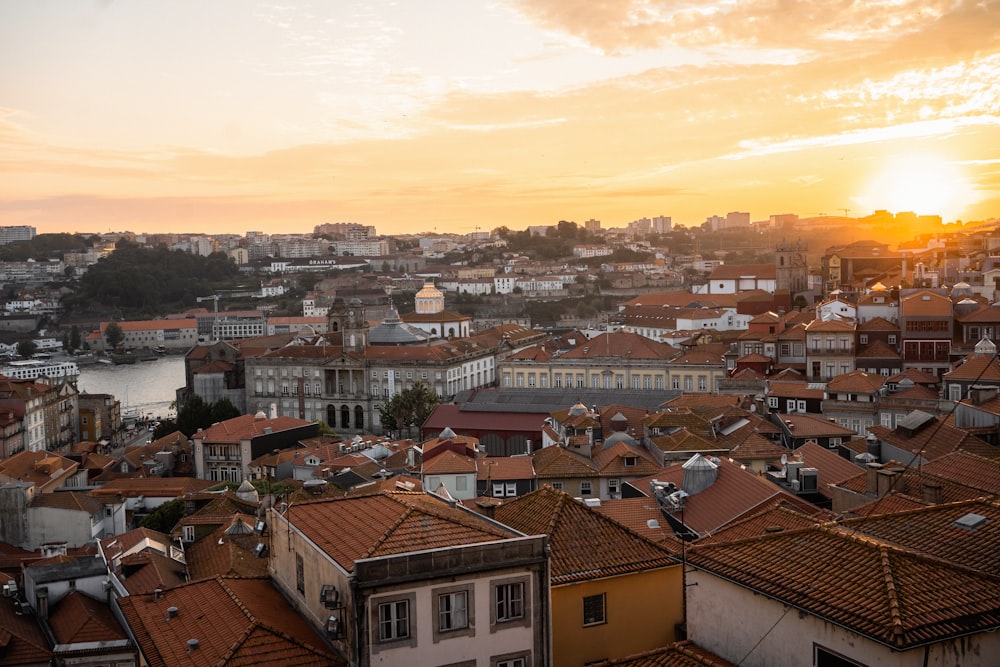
(225, 116)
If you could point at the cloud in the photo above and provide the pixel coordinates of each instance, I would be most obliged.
(625, 25)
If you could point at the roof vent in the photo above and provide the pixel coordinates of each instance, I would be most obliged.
(171, 612)
(192, 645)
(970, 521)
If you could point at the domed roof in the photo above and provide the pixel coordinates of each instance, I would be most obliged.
(429, 291)
(355, 302)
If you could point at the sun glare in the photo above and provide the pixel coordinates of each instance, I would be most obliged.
(923, 184)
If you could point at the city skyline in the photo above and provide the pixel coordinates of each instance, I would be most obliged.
(456, 116)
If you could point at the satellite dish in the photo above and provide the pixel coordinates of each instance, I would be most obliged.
(784, 459)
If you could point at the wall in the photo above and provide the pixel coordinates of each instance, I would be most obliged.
(729, 620)
(641, 611)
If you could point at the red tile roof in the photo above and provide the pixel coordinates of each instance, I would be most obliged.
(557, 461)
(887, 594)
(22, 641)
(78, 618)
(584, 544)
(505, 468)
(356, 527)
(246, 427)
(235, 621)
(681, 654)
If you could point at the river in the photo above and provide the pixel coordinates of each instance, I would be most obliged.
(145, 388)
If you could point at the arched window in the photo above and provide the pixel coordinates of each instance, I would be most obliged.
(345, 417)
(331, 416)
(359, 417)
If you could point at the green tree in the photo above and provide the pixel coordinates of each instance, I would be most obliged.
(165, 517)
(75, 340)
(194, 416)
(113, 334)
(26, 347)
(410, 407)
(166, 427)
(221, 410)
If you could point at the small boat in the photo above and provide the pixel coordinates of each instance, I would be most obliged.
(105, 361)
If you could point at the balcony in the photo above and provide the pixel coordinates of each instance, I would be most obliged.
(847, 407)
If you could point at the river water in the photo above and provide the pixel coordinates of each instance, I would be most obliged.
(145, 388)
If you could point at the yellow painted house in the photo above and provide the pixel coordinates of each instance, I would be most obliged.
(614, 592)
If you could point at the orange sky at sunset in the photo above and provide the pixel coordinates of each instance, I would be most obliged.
(232, 115)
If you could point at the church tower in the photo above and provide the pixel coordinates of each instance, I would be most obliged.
(348, 318)
(790, 269)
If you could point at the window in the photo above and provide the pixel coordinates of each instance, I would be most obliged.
(892, 339)
(300, 575)
(675, 382)
(585, 488)
(827, 658)
(508, 603)
(453, 611)
(558, 486)
(188, 533)
(772, 402)
(864, 339)
(800, 406)
(511, 660)
(631, 461)
(702, 383)
(614, 487)
(394, 620)
(593, 609)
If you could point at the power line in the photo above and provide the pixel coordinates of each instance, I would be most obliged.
(856, 528)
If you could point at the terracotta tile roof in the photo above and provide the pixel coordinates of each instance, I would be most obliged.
(856, 382)
(735, 494)
(800, 390)
(888, 594)
(556, 461)
(756, 447)
(890, 503)
(809, 426)
(916, 375)
(236, 622)
(40, 468)
(735, 271)
(775, 518)
(224, 552)
(22, 641)
(149, 570)
(682, 417)
(611, 461)
(832, 469)
(681, 654)
(699, 356)
(153, 487)
(917, 392)
(877, 350)
(611, 415)
(449, 463)
(642, 516)
(584, 544)
(356, 527)
(968, 469)
(245, 427)
(78, 618)
(877, 324)
(911, 482)
(933, 531)
(829, 325)
(703, 402)
(132, 540)
(976, 368)
(984, 314)
(621, 344)
(684, 298)
(925, 304)
(505, 468)
(934, 439)
(69, 500)
(686, 441)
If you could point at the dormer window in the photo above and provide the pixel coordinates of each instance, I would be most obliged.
(631, 461)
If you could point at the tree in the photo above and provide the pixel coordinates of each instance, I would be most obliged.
(75, 340)
(410, 407)
(166, 427)
(221, 410)
(113, 334)
(165, 517)
(26, 348)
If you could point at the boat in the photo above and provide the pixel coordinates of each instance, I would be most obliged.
(123, 358)
(105, 361)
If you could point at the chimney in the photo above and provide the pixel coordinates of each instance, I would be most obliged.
(886, 478)
(980, 393)
(274, 411)
(42, 602)
(871, 478)
(932, 492)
